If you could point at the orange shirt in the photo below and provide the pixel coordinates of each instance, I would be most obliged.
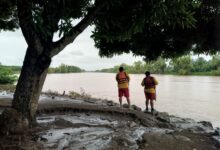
(123, 80)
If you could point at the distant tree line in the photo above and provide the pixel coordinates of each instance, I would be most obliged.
(8, 73)
(184, 65)
(65, 69)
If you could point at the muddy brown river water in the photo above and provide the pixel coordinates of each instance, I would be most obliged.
(195, 97)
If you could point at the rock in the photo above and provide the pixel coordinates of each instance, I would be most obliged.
(135, 107)
(105, 138)
(125, 105)
(182, 138)
(110, 103)
(43, 139)
(12, 122)
(164, 117)
(132, 124)
(154, 141)
(122, 142)
(158, 141)
(206, 124)
(50, 134)
(87, 114)
(217, 132)
(90, 101)
(62, 123)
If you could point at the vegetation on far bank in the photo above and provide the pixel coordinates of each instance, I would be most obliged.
(7, 75)
(7, 87)
(65, 69)
(184, 65)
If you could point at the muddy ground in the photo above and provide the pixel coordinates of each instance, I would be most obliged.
(86, 124)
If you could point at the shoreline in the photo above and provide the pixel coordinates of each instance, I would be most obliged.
(74, 95)
(64, 120)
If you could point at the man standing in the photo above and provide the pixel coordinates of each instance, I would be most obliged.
(149, 84)
(123, 82)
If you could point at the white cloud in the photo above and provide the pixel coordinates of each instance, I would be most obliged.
(80, 53)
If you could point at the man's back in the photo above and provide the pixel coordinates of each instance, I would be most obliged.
(123, 79)
(149, 83)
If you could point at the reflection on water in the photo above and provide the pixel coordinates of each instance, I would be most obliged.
(194, 97)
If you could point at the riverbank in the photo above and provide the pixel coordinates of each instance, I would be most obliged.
(87, 123)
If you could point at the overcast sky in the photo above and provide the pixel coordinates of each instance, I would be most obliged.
(81, 52)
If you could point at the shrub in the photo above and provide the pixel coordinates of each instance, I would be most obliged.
(216, 72)
(7, 76)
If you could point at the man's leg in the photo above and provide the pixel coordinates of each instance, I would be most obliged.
(120, 101)
(147, 103)
(152, 104)
(126, 94)
(120, 94)
(129, 103)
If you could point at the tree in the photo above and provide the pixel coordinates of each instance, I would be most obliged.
(144, 27)
(157, 66)
(215, 62)
(182, 65)
(65, 69)
(201, 65)
(169, 29)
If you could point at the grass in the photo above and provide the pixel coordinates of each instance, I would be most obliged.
(7, 87)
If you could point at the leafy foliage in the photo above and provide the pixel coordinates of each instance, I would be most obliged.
(8, 16)
(7, 76)
(57, 15)
(65, 69)
(148, 28)
(158, 28)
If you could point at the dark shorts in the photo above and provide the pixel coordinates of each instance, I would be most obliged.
(150, 96)
(123, 92)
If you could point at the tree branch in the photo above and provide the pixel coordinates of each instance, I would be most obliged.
(76, 30)
(26, 23)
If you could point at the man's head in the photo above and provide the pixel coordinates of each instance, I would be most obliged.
(121, 69)
(147, 73)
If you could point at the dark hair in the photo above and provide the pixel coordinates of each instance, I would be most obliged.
(147, 73)
(121, 69)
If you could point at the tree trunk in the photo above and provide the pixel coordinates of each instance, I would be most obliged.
(30, 83)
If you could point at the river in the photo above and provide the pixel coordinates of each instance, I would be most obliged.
(195, 97)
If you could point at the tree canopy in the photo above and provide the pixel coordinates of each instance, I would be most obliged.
(148, 28)
(8, 16)
(159, 28)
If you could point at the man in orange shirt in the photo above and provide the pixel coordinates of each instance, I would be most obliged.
(123, 83)
(149, 84)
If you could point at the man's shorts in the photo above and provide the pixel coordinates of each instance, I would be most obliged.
(150, 96)
(123, 92)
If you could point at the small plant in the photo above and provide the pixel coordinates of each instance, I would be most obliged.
(7, 87)
(82, 94)
(74, 94)
(7, 76)
(52, 93)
